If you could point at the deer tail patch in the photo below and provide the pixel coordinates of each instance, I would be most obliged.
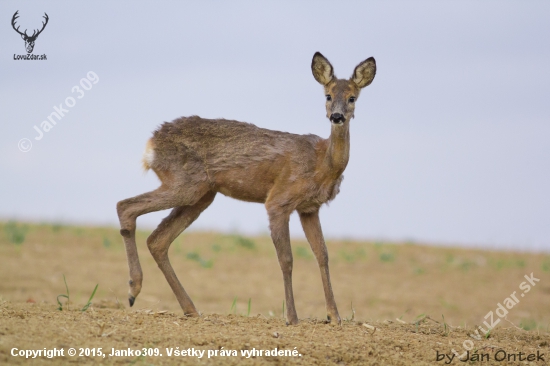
(148, 155)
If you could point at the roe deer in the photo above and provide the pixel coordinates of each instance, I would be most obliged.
(195, 158)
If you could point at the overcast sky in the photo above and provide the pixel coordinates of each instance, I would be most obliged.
(450, 144)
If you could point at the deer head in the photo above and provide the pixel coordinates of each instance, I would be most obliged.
(341, 94)
(29, 40)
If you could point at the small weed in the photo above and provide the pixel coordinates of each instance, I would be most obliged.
(67, 296)
(419, 271)
(303, 252)
(249, 306)
(378, 244)
(90, 299)
(528, 324)
(446, 304)
(387, 257)
(106, 242)
(499, 264)
(420, 318)
(467, 265)
(244, 242)
(546, 266)
(57, 227)
(283, 308)
(16, 233)
(216, 248)
(520, 263)
(509, 263)
(194, 256)
(177, 246)
(348, 257)
(352, 256)
(233, 308)
(445, 327)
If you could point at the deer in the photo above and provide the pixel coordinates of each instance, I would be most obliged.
(196, 158)
(29, 40)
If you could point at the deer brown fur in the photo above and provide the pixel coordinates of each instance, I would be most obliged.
(195, 158)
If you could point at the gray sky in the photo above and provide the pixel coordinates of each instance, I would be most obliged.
(450, 144)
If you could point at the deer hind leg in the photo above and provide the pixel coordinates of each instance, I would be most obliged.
(314, 235)
(159, 241)
(278, 224)
(130, 209)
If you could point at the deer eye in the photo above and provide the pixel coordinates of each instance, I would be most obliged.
(351, 99)
(329, 98)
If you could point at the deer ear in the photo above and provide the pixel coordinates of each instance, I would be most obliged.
(364, 72)
(322, 69)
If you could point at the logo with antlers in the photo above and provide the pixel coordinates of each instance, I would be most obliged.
(29, 40)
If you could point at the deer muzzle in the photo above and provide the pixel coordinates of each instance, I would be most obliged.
(337, 118)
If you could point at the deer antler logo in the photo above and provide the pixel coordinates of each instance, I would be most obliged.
(29, 40)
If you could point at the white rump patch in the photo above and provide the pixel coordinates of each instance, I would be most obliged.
(148, 155)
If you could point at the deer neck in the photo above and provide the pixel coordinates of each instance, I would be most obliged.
(337, 153)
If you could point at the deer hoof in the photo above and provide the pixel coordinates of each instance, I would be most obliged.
(192, 315)
(334, 321)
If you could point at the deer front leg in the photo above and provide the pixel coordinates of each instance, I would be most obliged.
(314, 235)
(278, 224)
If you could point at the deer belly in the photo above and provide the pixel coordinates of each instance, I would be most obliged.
(250, 184)
(242, 191)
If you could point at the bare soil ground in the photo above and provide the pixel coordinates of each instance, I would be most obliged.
(401, 304)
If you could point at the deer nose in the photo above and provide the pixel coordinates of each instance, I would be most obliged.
(337, 118)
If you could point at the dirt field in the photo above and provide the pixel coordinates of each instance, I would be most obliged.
(401, 304)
